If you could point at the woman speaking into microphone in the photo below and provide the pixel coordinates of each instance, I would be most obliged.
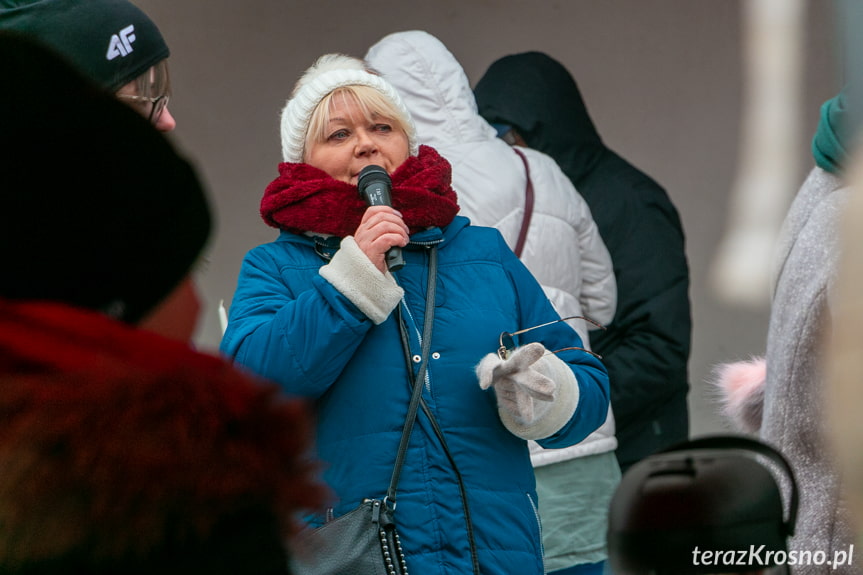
(319, 312)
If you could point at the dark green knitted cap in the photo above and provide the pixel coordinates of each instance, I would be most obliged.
(97, 209)
(112, 41)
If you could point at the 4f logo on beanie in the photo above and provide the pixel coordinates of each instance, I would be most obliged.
(121, 43)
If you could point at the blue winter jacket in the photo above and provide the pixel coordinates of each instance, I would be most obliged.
(290, 325)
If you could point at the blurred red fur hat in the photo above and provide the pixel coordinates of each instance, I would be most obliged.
(125, 452)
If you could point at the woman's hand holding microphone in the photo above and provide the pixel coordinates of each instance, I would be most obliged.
(381, 228)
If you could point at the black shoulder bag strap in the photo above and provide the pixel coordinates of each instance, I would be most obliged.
(528, 206)
(417, 400)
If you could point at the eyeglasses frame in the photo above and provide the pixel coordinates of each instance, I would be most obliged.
(159, 103)
(503, 351)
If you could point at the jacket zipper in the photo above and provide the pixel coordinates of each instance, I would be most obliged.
(426, 377)
(539, 528)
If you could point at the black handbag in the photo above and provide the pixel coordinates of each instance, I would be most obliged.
(364, 541)
(361, 542)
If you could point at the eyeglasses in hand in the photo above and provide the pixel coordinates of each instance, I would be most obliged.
(507, 343)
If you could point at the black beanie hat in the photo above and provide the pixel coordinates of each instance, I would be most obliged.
(97, 210)
(112, 41)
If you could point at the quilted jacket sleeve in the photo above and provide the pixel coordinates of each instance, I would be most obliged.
(599, 288)
(291, 326)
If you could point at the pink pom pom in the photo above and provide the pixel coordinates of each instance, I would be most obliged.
(740, 389)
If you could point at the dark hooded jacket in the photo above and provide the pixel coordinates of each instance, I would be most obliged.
(646, 348)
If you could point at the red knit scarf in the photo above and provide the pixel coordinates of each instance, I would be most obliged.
(306, 199)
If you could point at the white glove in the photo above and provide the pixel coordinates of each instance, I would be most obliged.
(536, 393)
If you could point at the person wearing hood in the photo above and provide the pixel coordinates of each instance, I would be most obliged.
(646, 347)
(123, 450)
(562, 249)
(327, 312)
(780, 397)
(111, 41)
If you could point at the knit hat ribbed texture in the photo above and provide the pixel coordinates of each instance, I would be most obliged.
(97, 209)
(328, 73)
(112, 41)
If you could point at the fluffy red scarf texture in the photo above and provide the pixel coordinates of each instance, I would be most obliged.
(306, 199)
(99, 416)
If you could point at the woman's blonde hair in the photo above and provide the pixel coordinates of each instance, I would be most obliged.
(373, 105)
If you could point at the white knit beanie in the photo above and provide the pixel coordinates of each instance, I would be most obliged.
(329, 72)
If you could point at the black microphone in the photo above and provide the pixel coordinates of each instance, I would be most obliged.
(375, 185)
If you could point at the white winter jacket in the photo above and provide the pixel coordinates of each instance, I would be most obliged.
(563, 249)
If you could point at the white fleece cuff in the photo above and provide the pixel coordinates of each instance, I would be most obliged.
(357, 278)
(560, 411)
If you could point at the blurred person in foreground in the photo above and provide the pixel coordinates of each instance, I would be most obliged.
(710, 505)
(844, 360)
(122, 449)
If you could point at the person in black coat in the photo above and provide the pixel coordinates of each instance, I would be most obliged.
(646, 347)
